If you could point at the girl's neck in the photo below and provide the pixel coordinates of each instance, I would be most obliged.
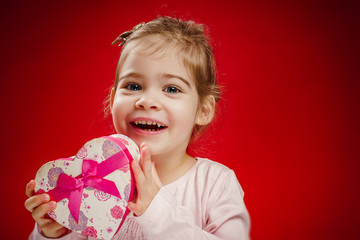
(171, 168)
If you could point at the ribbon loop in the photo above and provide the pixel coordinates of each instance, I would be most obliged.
(89, 168)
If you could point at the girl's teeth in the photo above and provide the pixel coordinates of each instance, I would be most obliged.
(137, 122)
(150, 123)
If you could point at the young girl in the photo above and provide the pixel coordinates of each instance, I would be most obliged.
(164, 95)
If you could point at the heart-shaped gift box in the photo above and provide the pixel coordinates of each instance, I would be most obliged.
(93, 188)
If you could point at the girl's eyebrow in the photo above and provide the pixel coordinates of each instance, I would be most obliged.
(132, 74)
(168, 75)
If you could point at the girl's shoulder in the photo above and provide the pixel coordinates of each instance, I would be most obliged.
(211, 167)
(206, 176)
(206, 171)
(216, 176)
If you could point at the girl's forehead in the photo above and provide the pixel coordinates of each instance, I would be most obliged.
(153, 46)
(155, 50)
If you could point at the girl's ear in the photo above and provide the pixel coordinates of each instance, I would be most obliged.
(206, 111)
(112, 96)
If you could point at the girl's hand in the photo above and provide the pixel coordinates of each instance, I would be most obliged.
(39, 206)
(147, 181)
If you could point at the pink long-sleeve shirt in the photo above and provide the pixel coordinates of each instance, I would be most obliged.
(205, 203)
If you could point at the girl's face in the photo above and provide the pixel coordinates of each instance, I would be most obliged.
(155, 102)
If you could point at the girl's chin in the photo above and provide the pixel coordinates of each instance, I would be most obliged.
(154, 149)
(139, 141)
(151, 143)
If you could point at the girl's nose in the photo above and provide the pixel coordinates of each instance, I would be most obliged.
(147, 102)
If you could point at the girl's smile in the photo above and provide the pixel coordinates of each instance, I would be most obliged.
(147, 126)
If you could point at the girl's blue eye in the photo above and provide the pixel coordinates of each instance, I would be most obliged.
(133, 87)
(172, 89)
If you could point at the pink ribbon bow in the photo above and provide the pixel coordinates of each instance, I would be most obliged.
(92, 175)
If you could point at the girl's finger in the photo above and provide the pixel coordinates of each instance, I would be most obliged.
(146, 161)
(135, 208)
(132, 207)
(40, 212)
(30, 188)
(142, 159)
(139, 176)
(35, 201)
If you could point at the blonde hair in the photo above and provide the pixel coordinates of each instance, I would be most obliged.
(191, 40)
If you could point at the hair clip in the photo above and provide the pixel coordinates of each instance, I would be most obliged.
(122, 37)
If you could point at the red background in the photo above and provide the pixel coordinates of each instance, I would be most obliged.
(289, 111)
